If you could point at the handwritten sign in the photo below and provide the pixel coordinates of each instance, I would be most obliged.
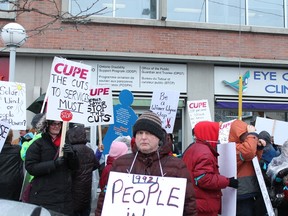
(198, 111)
(69, 88)
(100, 107)
(4, 130)
(263, 188)
(164, 104)
(131, 194)
(13, 104)
(224, 131)
(275, 128)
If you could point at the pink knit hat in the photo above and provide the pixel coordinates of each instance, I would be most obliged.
(118, 149)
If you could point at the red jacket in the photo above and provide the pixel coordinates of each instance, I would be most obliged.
(105, 173)
(201, 160)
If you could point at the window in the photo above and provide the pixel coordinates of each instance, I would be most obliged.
(186, 10)
(4, 5)
(226, 11)
(268, 13)
(143, 9)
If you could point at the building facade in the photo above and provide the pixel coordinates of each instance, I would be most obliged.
(209, 42)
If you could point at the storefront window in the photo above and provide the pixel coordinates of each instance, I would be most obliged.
(145, 9)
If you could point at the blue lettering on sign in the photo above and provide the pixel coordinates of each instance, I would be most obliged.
(269, 75)
(285, 76)
(278, 89)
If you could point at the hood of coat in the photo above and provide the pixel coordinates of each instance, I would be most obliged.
(265, 136)
(76, 135)
(238, 128)
(208, 132)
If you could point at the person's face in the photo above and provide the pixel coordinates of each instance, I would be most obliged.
(146, 142)
(22, 132)
(55, 127)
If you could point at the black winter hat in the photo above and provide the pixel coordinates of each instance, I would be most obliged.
(150, 122)
(76, 135)
(265, 136)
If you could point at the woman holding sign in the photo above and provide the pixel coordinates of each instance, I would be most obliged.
(151, 158)
(51, 185)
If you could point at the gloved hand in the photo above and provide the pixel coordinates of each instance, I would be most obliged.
(59, 161)
(282, 173)
(233, 183)
(68, 150)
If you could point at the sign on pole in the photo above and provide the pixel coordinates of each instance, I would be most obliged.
(68, 90)
(224, 131)
(165, 104)
(198, 111)
(13, 104)
(132, 194)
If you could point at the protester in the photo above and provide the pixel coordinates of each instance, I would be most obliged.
(11, 170)
(170, 139)
(52, 183)
(278, 173)
(201, 161)
(19, 140)
(117, 149)
(269, 152)
(82, 177)
(248, 145)
(151, 157)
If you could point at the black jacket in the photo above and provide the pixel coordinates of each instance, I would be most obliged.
(82, 177)
(11, 172)
(51, 186)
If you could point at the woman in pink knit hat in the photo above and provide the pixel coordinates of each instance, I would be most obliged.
(117, 149)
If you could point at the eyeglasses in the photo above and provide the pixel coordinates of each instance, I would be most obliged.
(54, 124)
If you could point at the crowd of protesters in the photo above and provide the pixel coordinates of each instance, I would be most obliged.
(62, 183)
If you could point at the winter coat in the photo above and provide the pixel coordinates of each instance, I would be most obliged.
(201, 160)
(11, 172)
(82, 177)
(245, 151)
(148, 164)
(51, 186)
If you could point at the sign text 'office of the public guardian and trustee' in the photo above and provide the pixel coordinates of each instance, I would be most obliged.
(138, 76)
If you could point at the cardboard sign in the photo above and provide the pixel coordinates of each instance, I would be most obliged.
(165, 104)
(69, 88)
(228, 167)
(224, 131)
(275, 128)
(13, 104)
(4, 130)
(198, 111)
(263, 188)
(100, 107)
(132, 194)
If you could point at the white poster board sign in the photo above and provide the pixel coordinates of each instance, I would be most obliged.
(277, 129)
(13, 104)
(100, 107)
(228, 167)
(132, 194)
(165, 104)
(4, 130)
(224, 131)
(198, 111)
(69, 88)
(263, 188)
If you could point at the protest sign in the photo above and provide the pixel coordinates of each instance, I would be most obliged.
(198, 111)
(275, 128)
(133, 194)
(263, 187)
(124, 119)
(224, 131)
(13, 104)
(165, 104)
(4, 130)
(69, 88)
(228, 168)
(100, 107)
